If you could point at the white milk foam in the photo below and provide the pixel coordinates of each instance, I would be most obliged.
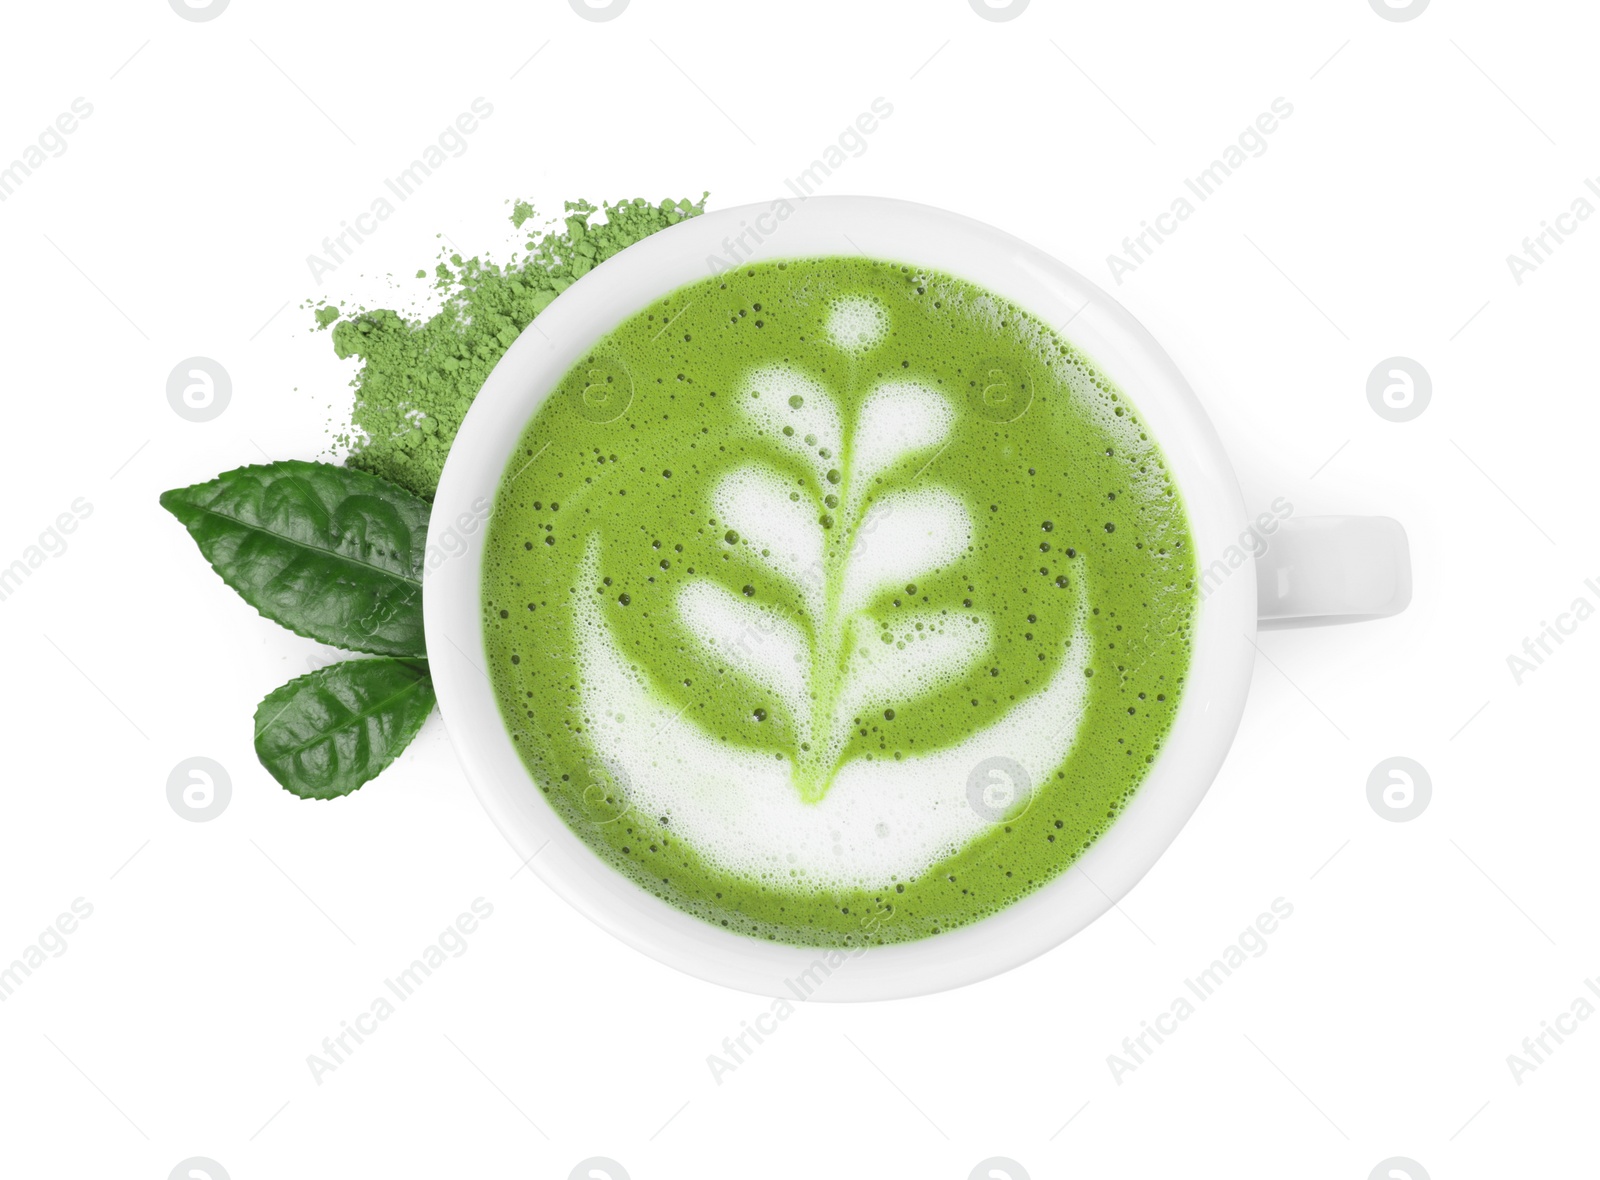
(755, 502)
(882, 821)
(857, 324)
(897, 417)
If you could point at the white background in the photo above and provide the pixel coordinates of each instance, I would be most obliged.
(178, 1021)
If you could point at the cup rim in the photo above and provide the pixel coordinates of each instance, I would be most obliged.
(1118, 345)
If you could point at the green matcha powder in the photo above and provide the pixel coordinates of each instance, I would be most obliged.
(418, 376)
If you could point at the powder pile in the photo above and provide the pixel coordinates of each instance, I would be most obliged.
(418, 376)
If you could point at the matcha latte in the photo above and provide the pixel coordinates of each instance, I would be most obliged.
(837, 602)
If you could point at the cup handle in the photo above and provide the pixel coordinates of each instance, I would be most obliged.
(1318, 570)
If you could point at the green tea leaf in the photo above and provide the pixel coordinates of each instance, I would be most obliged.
(325, 734)
(330, 553)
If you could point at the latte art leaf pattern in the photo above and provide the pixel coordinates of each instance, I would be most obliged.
(833, 507)
(816, 533)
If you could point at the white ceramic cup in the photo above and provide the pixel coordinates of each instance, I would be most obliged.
(1315, 570)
